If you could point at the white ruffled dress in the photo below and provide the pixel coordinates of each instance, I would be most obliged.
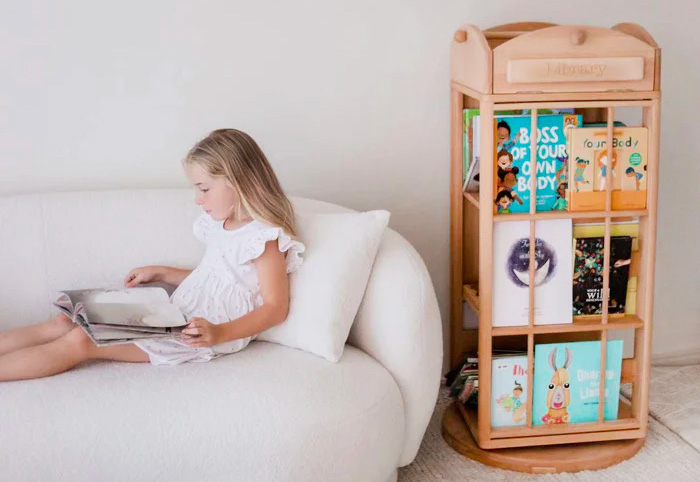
(224, 286)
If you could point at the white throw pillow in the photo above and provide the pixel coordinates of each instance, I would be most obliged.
(326, 290)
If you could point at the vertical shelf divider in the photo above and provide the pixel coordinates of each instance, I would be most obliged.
(456, 223)
(609, 185)
(485, 272)
(533, 246)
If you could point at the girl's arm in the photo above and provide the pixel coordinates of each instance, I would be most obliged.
(274, 287)
(172, 276)
(155, 274)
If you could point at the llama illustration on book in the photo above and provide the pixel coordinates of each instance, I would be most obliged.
(558, 394)
(567, 382)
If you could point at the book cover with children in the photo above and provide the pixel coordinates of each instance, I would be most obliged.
(513, 163)
(509, 391)
(588, 275)
(566, 382)
(552, 276)
(589, 166)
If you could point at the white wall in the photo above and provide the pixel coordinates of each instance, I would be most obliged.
(349, 99)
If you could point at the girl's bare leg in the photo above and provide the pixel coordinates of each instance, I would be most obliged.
(36, 334)
(62, 354)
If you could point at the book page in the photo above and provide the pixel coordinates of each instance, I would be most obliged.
(472, 182)
(79, 319)
(105, 333)
(147, 314)
(126, 295)
(64, 304)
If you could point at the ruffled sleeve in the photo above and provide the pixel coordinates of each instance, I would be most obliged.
(255, 246)
(202, 227)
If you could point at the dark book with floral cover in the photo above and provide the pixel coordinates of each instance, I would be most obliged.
(588, 274)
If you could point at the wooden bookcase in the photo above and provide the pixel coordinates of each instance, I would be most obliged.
(510, 67)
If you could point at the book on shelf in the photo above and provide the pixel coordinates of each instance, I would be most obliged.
(470, 318)
(513, 163)
(472, 182)
(463, 380)
(566, 382)
(117, 316)
(589, 165)
(588, 274)
(466, 385)
(617, 228)
(604, 124)
(472, 149)
(468, 140)
(471, 140)
(509, 391)
(511, 272)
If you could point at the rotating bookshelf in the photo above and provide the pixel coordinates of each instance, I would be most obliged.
(540, 66)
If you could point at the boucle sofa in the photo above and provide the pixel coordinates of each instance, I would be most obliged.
(268, 413)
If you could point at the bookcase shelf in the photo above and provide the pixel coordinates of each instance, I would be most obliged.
(471, 296)
(625, 421)
(509, 67)
(579, 324)
(499, 218)
(473, 199)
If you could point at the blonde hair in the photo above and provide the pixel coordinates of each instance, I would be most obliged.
(234, 156)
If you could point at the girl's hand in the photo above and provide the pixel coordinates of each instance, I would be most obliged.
(144, 274)
(203, 333)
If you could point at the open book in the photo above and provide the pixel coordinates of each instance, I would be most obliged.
(112, 317)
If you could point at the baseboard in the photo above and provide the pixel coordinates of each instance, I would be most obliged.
(685, 357)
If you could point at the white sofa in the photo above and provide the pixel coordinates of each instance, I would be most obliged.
(268, 413)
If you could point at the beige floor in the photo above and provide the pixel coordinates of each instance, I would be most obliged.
(675, 400)
(667, 455)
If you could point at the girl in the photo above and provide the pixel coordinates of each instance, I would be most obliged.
(239, 289)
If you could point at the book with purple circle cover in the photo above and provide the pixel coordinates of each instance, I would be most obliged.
(553, 273)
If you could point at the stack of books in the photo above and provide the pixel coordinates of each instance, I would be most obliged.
(566, 383)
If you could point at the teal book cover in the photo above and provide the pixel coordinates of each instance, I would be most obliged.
(509, 391)
(469, 133)
(514, 166)
(566, 382)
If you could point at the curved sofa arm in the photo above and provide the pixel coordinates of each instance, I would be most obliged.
(398, 324)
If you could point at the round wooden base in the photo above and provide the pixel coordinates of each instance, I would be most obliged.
(537, 460)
